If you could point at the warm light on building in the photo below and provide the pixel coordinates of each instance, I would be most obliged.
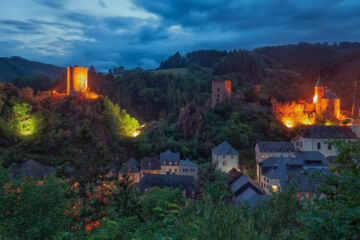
(274, 188)
(315, 98)
(77, 80)
(325, 107)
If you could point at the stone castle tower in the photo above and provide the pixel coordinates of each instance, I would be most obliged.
(221, 91)
(327, 104)
(77, 80)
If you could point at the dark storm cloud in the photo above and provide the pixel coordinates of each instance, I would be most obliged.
(184, 25)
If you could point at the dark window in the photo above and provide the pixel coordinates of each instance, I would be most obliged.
(329, 147)
(318, 146)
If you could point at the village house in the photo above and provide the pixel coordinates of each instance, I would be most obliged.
(169, 162)
(319, 138)
(149, 165)
(31, 168)
(132, 169)
(243, 188)
(188, 168)
(305, 182)
(274, 170)
(225, 157)
(264, 150)
(186, 183)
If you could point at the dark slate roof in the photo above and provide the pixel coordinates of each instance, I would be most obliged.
(320, 83)
(32, 168)
(150, 163)
(305, 180)
(312, 158)
(224, 148)
(169, 156)
(232, 175)
(275, 147)
(329, 94)
(277, 171)
(242, 183)
(280, 167)
(187, 162)
(165, 180)
(329, 132)
(131, 166)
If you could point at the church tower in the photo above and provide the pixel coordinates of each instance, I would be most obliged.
(355, 107)
(320, 88)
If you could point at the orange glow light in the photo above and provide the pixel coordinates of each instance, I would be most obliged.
(315, 98)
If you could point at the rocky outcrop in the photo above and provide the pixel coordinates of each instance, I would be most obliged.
(189, 121)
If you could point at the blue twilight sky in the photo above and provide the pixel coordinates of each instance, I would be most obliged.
(108, 33)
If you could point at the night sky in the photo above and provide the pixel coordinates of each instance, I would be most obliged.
(108, 33)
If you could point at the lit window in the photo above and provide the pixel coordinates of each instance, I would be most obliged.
(263, 156)
(176, 162)
(170, 163)
(308, 195)
(224, 163)
(274, 188)
(164, 163)
(267, 156)
(298, 195)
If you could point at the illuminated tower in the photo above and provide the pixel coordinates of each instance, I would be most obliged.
(355, 107)
(77, 80)
(320, 88)
(221, 91)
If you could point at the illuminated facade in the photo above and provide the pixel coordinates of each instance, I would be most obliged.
(77, 80)
(325, 108)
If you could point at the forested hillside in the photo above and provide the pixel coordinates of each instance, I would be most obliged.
(18, 67)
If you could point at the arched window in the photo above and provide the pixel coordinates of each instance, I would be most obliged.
(318, 146)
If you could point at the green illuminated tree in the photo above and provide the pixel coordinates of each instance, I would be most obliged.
(119, 120)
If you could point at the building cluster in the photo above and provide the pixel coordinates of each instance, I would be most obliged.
(280, 164)
(168, 170)
(301, 164)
